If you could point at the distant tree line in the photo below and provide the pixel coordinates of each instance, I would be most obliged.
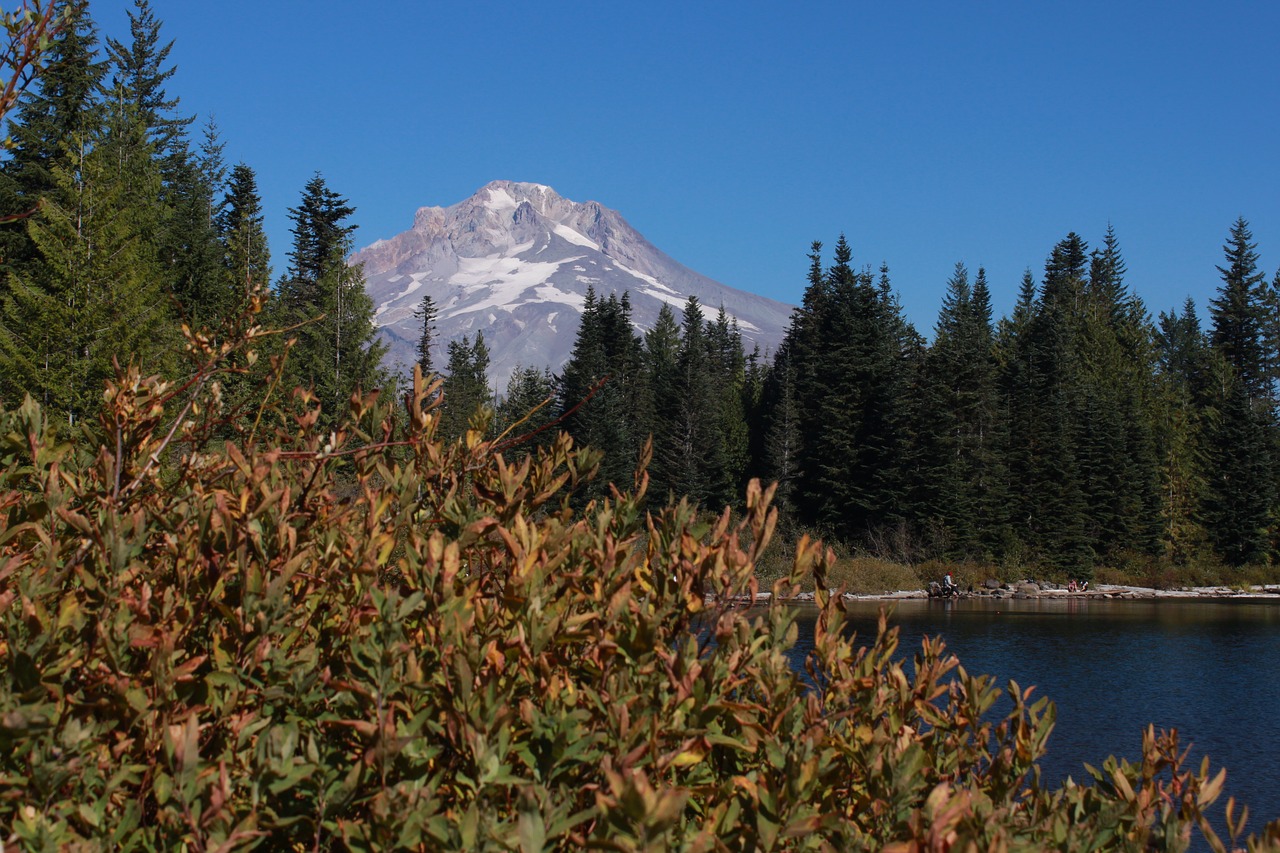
(686, 382)
(122, 227)
(1076, 431)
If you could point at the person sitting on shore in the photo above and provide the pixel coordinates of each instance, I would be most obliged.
(1084, 587)
(1071, 585)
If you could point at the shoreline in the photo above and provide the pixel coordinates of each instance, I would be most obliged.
(1031, 591)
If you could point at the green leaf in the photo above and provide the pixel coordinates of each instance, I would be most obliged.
(162, 787)
(532, 831)
(89, 814)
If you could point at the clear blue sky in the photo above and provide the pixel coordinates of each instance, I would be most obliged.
(732, 134)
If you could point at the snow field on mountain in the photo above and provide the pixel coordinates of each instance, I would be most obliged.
(515, 260)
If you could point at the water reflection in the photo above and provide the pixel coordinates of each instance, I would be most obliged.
(1206, 668)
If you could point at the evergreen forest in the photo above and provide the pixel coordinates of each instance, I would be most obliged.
(124, 224)
(235, 615)
(1078, 431)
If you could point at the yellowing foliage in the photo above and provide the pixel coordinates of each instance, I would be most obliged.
(376, 639)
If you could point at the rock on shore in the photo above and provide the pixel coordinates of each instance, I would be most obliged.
(1046, 590)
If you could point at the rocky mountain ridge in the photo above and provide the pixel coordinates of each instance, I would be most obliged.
(515, 261)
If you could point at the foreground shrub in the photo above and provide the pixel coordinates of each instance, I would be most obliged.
(376, 639)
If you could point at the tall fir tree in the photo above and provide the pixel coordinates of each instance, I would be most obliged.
(319, 231)
(725, 405)
(661, 398)
(783, 421)
(692, 452)
(990, 430)
(1040, 381)
(466, 384)
(240, 224)
(245, 263)
(1184, 386)
(343, 349)
(598, 392)
(778, 424)
(94, 295)
(1238, 312)
(139, 74)
(1243, 445)
(754, 405)
(61, 111)
(337, 350)
(1017, 377)
(956, 420)
(851, 346)
(1120, 467)
(426, 314)
(1270, 303)
(191, 175)
(205, 290)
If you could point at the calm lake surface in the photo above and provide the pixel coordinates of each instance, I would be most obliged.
(1210, 669)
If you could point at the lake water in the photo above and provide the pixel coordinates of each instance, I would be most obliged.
(1207, 668)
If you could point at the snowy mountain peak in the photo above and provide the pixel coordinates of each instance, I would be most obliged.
(498, 199)
(515, 260)
(501, 196)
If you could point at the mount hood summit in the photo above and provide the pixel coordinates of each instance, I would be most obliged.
(515, 261)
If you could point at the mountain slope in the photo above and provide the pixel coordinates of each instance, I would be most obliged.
(515, 260)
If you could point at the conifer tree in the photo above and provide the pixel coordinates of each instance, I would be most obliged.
(693, 453)
(59, 112)
(1040, 378)
(901, 364)
(837, 322)
(957, 419)
(789, 388)
(466, 384)
(343, 349)
(991, 481)
(426, 314)
(205, 289)
(1114, 410)
(1270, 303)
(1017, 378)
(725, 408)
(780, 424)
(61, 107)
(212, 163)
(661, 357)
(337, 351)
(1242, 431)
(245, 267)
(246, 255)
(191, 179)
(1184, 385)
(139, 76)
(851, 346)
(755, 378)
(1241, 489)
(528, 409)
(597, 391)
(1238, 312)
(94, 295)
(319, 231)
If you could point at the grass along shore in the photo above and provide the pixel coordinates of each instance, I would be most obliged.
(862, 575)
